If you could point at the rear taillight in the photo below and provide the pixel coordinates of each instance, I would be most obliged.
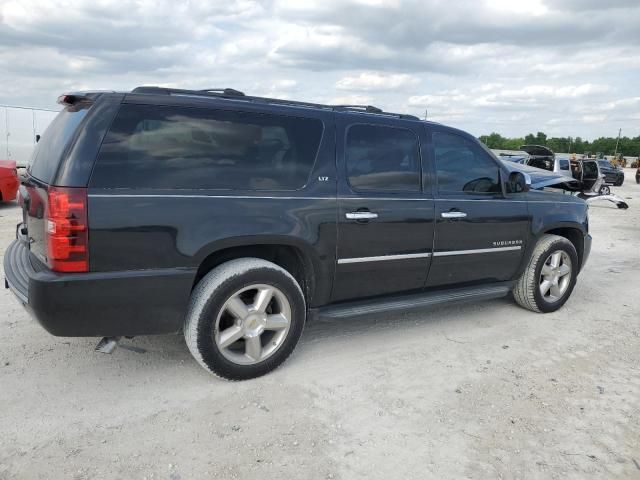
(67, 231)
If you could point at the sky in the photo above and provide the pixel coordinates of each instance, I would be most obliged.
(564, 67)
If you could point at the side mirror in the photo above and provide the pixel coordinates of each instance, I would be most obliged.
(518, 182)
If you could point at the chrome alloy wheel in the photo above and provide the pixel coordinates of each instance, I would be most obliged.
(252, 324)
(555, 276)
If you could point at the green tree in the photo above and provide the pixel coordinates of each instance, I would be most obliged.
(627, 146)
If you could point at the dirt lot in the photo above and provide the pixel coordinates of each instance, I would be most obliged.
(472, 391)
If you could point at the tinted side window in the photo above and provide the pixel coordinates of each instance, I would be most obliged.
(382, 158)
(48, 152)
(463, 166)
(564, 164)
(169, 147)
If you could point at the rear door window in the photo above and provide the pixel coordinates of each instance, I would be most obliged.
(564, 164)
(54, 141)
(195, 148)
(463, 166)
(381, 158)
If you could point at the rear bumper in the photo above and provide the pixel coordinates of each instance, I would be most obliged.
(128, 303)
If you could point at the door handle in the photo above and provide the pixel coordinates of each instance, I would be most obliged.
(453, 215)
(361, 215)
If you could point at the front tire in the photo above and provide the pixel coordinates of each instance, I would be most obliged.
(550, 276)
(245, 318)
(605, 190)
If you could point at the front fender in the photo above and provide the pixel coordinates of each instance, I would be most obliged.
(559, 214)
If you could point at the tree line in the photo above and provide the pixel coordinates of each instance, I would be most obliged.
(607, 145)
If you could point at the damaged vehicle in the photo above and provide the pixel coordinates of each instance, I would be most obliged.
(585, 181)
(589, 181)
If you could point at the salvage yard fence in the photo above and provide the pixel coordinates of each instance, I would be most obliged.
(18, 129)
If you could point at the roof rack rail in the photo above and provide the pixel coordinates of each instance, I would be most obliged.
(217, 92)
(233, 94)
(366, 108)
(376, 110)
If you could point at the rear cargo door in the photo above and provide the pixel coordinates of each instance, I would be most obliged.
(41, 172)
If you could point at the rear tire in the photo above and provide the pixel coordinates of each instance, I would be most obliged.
(549, 277)
(245, 318)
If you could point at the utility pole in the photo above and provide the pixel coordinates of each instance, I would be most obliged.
(616, 152)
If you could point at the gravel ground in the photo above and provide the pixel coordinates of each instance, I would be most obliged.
(473, 391)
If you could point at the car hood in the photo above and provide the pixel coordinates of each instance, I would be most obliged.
(537, 150)
(542, 178)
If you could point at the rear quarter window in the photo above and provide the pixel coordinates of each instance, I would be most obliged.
(194, 148)
(49, 150)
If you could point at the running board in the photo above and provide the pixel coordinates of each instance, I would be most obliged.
(416, 301)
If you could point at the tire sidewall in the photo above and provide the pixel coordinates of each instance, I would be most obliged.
(567, 247)
(211, 354)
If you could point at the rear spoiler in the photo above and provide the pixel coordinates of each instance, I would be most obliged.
(72, 98)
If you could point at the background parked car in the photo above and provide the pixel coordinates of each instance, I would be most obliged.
(521, 159)
(8, 180)
(540, 157)
(612, 175)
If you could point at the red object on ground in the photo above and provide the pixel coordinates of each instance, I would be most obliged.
(8, 180)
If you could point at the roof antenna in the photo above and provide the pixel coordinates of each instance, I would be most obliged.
(425, 113)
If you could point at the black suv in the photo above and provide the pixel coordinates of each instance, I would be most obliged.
(612, 175)
(235, 218)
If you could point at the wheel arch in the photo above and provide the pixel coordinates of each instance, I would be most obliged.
(572, 233)
(296, 257)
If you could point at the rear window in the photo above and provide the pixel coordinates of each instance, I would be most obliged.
(193, 148)
(49, 150)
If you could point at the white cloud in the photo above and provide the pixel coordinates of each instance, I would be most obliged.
(351, 100)
(376, 81)
(533, 8)
(482, 65)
